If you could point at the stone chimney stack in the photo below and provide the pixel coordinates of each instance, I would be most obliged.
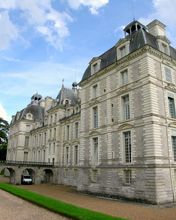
(157, 28)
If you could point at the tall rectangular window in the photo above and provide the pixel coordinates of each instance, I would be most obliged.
(168, 75)
(174, 147)
(54, 146)
(49, 148)
(26, 141)
(126, 107)
(67, 155)
(128, 176)
(68, 132)
(95, 151)
(54, 133)
(76, 155)
(127, 146)
(45, 138)
(50, 133)
(55, 118)
(124, 77)
(171, 107)
(95, 117)
(94, 91)
(76, 130)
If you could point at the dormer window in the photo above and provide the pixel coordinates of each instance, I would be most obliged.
(66, 102)
(122, 50)
(164, 47)
(95, 66)
(29, 116)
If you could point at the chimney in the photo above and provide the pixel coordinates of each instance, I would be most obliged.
(157, 28)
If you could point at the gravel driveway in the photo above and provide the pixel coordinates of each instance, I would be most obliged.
(14, 208)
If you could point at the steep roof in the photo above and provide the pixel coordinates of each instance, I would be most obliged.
(36, 110)
(66, 94)
(137, 40)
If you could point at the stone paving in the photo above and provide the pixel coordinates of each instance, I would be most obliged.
(14, 208)
(129, 210)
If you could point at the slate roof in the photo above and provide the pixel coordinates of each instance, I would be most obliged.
(137, 40)
(36, 110)
(66, 93)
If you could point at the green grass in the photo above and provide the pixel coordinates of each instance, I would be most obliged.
(57, 206)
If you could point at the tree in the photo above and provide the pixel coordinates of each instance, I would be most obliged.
(4, 128)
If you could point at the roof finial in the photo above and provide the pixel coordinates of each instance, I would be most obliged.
(132, 9)
(62, 83)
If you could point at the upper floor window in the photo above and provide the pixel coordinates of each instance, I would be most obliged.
(67, 155)
(54, 133)
(168, 74)
(26, 141)
(51, 119)
(68, 132)
(55, 118)
(126, 107)
(124, 77)
(127, 146)
(95, 151)
(76, 130)
(171, 103)
(174, 147)
(94, 91)
(76, 155)
(45, 138)
(54, 145)
(95, 117)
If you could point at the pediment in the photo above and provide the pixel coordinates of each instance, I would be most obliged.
(125, 126)
(172, 124)
(94, 133)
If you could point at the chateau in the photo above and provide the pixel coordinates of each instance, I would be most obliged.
(114, 133)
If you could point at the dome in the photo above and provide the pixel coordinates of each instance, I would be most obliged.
(36, 97)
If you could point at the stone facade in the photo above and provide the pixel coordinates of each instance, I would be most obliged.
(116, 135)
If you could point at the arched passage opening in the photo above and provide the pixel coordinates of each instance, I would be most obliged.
(48, 176)
(29, 172)
(9, 173)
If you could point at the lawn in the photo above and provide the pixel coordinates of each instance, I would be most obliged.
(57, 206)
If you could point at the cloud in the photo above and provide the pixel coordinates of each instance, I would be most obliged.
(93, 5)
(8, 31)
(3, 113)
(40, 16)
(164, 10)
(43, 77)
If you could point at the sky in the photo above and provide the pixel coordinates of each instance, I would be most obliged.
(43, 42)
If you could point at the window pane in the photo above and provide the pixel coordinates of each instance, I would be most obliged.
(127, 145)
(168, 75)
(174, 146)
(126, 107)
(124, 76)
(171, 107)
(95, 117)
(95, 151)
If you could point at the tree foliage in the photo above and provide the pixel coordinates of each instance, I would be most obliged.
(4, 128)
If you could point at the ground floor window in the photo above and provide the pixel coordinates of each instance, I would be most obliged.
(128, 176)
